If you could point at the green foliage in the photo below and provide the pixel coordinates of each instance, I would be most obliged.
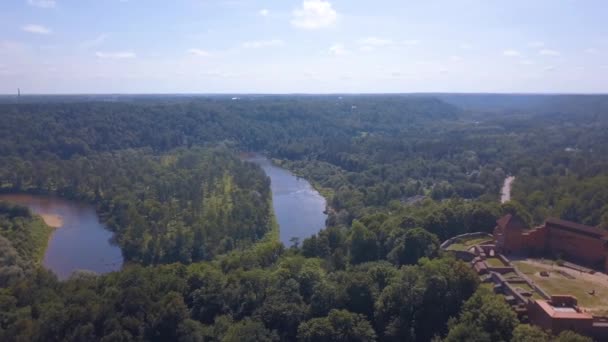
(570, 197)
(184, 206)
(248, 331)
(486, 316)
(23, 240)
(401, 173)
(363, 244)
(517, 209)
(570, 336)
(418, 297)
(416, 243)
(529, 333)
(339, 325)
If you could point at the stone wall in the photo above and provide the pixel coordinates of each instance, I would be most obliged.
(447, 243)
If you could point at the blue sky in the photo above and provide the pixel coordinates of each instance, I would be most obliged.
(306, 46)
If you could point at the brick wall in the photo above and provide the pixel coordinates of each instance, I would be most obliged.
(543, 319)
(553, 241)
(579, 247)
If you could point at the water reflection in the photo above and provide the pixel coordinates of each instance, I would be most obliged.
(80, 242)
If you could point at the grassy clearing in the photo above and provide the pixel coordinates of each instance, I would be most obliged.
(41, 233)
(528, 288)
(526, 268)
(557, 284)
(495, 262)
(510, 275)
(273, 235)
(489, 286)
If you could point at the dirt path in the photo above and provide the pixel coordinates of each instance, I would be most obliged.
(505, 193)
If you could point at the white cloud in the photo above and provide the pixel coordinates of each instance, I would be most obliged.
(455, 58)
(115, 55)
(370, 43)
(526, 62)
(375, 41)
(411, 42)
(38, 29)
(338, 50)
(549, 68)
(536, 44)
(310, 74)
(314, 14)
(590, 50)
(547, 52)
(219, 74)
(42, 3)
(95, 41)
(396, 74)
(264, 12)
(199, 52)
(511, 53)
(256, 44)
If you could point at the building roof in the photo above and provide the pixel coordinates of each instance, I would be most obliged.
(578, 228)
(510, 221)
(562, 312)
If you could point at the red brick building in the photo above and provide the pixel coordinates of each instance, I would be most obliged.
(559, 314)
(564, 239)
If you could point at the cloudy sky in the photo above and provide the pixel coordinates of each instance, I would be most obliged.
(307, 46)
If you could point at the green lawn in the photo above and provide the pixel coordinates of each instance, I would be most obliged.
(526, 268)
(510, 275)
(41, 234)
(528, 288)
(465, 244)
(557, 284)
(495, 262)
(489, 286)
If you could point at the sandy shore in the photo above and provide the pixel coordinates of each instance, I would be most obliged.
(52, 220)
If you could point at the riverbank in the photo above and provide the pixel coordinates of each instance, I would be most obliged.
(327, 193)
(299, 208)
(33, 241)
(52, 220)
(41, 233)
(66, 235)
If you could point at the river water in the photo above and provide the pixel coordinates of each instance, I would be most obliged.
(79, 242)
(298, 207)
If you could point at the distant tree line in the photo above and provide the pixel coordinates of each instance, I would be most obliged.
(195, 222)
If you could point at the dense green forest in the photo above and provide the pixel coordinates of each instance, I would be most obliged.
(187, 205)
(401, 174)
(23, 239)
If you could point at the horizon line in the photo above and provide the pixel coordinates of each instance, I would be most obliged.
(300, 93)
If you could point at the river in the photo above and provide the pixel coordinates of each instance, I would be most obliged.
(298, 207)
(79, 242)
(505, 193)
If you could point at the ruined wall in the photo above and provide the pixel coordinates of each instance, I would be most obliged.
(576, 246)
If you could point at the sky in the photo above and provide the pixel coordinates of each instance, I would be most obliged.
(303, 46)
